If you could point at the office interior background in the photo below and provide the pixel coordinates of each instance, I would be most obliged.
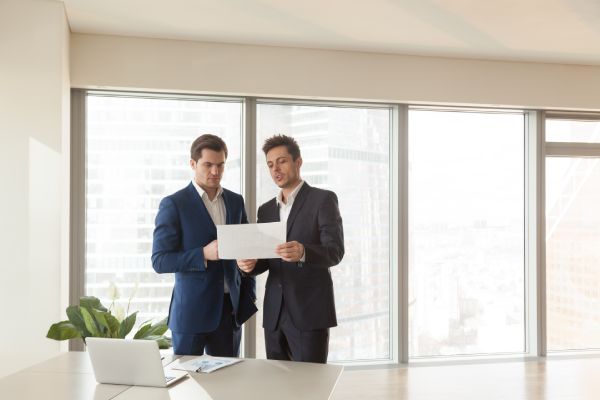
(464, 152)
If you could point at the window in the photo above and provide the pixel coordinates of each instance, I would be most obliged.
(466, 232)
(137, 152)
(573, 234)
(347, 150)
(572, 131)
(467, 272)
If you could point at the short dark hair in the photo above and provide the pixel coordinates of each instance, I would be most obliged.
(282, 140)
(207, 141)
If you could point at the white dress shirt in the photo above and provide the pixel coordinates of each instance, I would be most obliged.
(216, 210)
(285, 208)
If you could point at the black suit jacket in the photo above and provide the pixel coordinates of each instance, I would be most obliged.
(307, 288)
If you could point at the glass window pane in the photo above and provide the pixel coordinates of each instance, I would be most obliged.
(558, 130)
(344, 149)
(137, 153)
(572, 253)
(466, 239)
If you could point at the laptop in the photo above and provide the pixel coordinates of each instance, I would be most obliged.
(129, 362)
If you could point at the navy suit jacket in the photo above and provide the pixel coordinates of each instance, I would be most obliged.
(306, 288)
(183, 228)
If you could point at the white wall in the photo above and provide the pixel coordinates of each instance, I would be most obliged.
(34, 100)
(185, 66)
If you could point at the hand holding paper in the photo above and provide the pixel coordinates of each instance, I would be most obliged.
(211, 251)
(290, 251)
(246, 265)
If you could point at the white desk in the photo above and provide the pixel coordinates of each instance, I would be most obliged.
(70, 376)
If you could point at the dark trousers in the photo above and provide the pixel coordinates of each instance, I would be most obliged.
(222, 342)
(287, 342)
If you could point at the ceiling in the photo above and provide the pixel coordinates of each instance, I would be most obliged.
(557, 31)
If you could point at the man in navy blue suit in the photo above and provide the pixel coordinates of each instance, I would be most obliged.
(211, 299)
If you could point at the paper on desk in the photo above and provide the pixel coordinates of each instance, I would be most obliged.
(249, 241)
(204, 363)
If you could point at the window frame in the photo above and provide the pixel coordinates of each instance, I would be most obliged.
(535, 153)
(534, 332)
(396, 314)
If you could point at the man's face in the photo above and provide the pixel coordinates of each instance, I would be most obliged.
(208, 170)
(284, 171)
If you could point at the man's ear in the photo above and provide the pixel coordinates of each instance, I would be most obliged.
(299, 162)
(192, 163)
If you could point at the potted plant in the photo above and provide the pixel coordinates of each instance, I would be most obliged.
(91, 319)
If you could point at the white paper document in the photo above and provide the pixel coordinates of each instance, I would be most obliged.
(204, 363)
(249, 241)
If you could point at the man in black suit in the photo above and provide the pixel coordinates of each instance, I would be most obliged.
(299, 307)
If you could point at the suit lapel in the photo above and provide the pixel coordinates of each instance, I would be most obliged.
(297, 206)
(271, 213)
(198, 205)
(228, 213)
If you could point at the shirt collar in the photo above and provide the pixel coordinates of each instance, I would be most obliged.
(202, 192)
(291, 196)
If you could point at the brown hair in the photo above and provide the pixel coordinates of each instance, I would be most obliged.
(207, 141)
(282, 140)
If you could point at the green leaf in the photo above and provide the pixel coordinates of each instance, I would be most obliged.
(92, 302)
(90, 324)
(100, 318)
(63, 330)
(159, 328)
(75, 317)
(127, 325)
(148, 321)
(113, 325)
(163, 341)
(142, 332)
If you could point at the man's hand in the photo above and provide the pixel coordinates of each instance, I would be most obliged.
(246, 265)
(290, 251)
(211, 251)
